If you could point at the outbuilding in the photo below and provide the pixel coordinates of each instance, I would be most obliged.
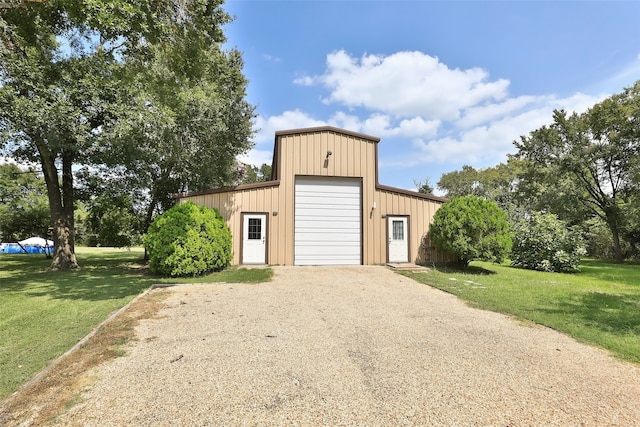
(324, 206)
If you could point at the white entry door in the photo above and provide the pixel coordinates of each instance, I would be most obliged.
(254, 236)
(398, 239)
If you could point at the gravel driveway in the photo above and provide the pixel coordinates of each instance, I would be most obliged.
(351, 346)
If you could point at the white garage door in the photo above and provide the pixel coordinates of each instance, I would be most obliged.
(327, 221)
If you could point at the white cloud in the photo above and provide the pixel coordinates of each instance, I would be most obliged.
(295, 119)
(406, 84)
(484, 113)
(383, 125)
(380, 125)
(346, 121)
(625, 77)
(417, 126)
(578, 102)
(492, 140)
(305, 81)
(451, 116)
(257, 157)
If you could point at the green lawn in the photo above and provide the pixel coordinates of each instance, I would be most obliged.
(44, 313)
(600, 305)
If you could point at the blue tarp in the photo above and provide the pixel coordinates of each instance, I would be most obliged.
(14, 248)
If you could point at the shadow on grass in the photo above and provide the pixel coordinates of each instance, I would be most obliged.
(92, 286)
(100, 277)
(611, 313)
(456, 268)
(627, 273)
(103, 276)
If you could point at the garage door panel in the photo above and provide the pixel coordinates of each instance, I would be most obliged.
(327, 221)
(327, 259)
(311, 234)
(310, 214)
(327, 251)
(316, 238)
(336, 223)
(338, 186)
(341, 203)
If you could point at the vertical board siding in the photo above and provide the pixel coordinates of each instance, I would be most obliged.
(305, 154)
(231, 204)
(420, 212)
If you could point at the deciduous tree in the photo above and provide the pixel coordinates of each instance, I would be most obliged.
(597, 151)
(250, 173)
(24, 211)
(80, 78)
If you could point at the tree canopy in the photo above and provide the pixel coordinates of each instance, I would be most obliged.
(584, 168)
(24, 211)
(139, 91)
(250, 174)
(423, 186)
(597, 152)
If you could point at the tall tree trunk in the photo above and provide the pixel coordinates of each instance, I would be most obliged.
(60, 208)
(147, 221)
(613, 219)
(149, 214)
(617, 250)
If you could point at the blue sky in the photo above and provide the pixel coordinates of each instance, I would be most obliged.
(443, 84)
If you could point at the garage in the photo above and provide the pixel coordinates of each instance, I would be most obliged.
(323, 205)
(328, 221)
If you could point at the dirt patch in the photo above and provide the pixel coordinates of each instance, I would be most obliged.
(60, 386)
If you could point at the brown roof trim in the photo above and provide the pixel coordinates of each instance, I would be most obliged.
(326, 129)
(240, 187)
(411, 193)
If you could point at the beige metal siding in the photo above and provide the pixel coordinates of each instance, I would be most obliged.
(304, 153)
(232, 203)
(420, 213)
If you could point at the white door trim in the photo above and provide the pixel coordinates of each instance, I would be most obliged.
(254, 238)
(397, 239)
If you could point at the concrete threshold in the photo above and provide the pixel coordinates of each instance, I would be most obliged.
(406, 266)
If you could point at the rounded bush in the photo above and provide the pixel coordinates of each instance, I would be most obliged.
(471, 228)
(543, 242)
(188, 240)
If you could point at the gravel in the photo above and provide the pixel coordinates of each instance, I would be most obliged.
(345, 346)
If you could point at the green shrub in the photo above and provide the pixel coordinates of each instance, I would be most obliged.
(543, 242)
(188, 240)
(471, 228)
